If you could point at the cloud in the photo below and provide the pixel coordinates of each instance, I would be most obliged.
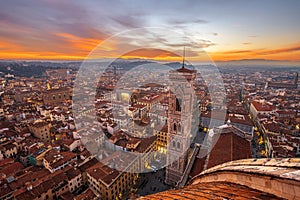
(287, 53)
(187, 21)
(192, 44)
(62, 27)
(80, 44)
(151, 53)
(129, 20)
(238, 52)
(264, 51)
(280, 50)
(158, 54)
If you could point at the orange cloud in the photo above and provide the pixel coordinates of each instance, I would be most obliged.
(151, 53)
(288, 53)
(281, 50)
(164, 55)
(39, 55)
(80, 43)
(72, 47)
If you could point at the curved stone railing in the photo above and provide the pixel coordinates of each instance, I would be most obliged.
(280, 177)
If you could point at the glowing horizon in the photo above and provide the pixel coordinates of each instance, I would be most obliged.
(61, 30)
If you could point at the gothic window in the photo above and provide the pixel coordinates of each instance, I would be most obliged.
(174, 127)
(174, 144)
(178, 145)
(178, 105)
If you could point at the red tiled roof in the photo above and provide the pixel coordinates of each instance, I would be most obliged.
(99, 171)
(273, 127)
(212, 190)
(12, 169)
(6, 161)
(262, 106)
(86, 195)
(231, 145)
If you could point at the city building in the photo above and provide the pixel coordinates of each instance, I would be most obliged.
(54, 161)
(261, 107)
(161, 139)
(286, 85)
(241, 121)
(143, 147)
(41, 130)
(227, 143)
(52, 186)
(223, 144)
(56, 96)
(114, 178)
(180, 122)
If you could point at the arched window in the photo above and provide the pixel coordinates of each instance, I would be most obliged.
(178, 105)
(174, 127)
(178, 145)
(179, 127)
(174, 143)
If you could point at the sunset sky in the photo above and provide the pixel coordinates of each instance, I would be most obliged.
(225, 29)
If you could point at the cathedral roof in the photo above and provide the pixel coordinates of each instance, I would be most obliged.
(242, 179)
(213, 190)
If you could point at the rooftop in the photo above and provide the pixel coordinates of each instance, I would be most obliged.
(262, 106)
(286, 168)
(242, 179)
(215, 190)
(107, 173)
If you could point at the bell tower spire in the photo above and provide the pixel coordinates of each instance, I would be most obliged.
(182, 110)
(183, 57)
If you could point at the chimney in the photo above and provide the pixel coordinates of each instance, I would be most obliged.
(28, 186)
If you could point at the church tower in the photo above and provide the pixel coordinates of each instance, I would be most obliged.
(180, 122)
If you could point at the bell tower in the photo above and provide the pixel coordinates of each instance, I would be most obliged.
(180, 118)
